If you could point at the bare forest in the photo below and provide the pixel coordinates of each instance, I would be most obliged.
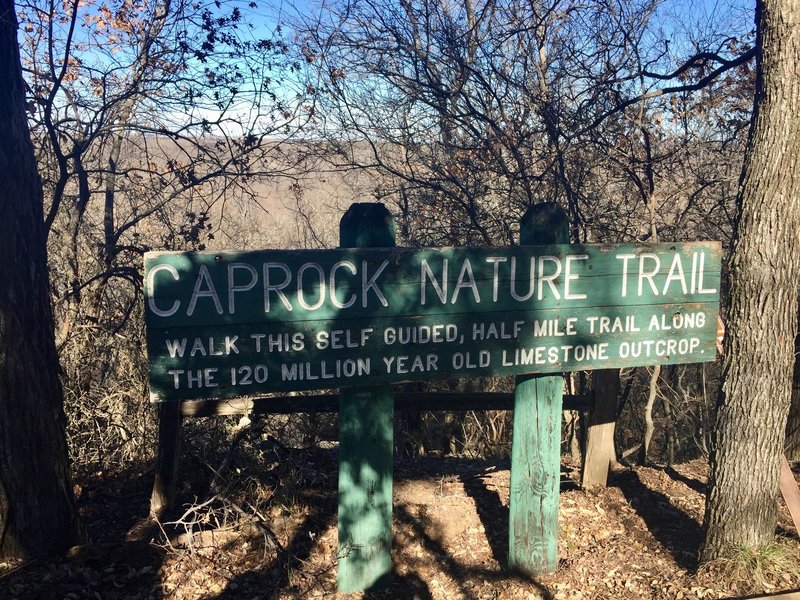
(229, 126)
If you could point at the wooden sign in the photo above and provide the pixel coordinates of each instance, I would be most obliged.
(228, 324)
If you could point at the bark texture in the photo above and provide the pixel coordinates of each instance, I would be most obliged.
(762, 317)
(649, 424)
(793, 425)
(37, 513)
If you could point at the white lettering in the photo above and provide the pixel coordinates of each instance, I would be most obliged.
(334, 300)
(441, 290)
(319, 285)
(276, 288)
(233, 288)
(151, 301)
(466, 273)
(371, 284)
(203, 276)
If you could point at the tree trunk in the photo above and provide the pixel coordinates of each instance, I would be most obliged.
(649, 425)
(572, 429)
(571, 434)
(793, 425)
(669, 430)
(37, 511)
(670, 435)
(792, 447)
(741, 509)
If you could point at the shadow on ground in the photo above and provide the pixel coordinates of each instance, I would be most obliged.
(676, 531)
(412, 580)
(693, 484)
(111, 568)
(106, 565)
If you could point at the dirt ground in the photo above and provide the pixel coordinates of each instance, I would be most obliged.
(637, 538)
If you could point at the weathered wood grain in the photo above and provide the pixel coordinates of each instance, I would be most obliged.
(536, 438)
(600, 432)
(790, 492)
(366, 445)
(329, 403)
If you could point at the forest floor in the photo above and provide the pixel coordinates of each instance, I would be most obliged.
(637, 538)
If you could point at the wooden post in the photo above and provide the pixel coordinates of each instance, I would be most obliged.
(536, 441)
(600, 433)
(790, 492)
(366, 440)
(169, 444)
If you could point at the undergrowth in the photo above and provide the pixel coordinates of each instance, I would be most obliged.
(749, 570)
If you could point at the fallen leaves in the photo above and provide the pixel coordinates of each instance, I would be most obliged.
(450, 536)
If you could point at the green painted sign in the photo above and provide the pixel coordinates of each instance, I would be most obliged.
(226, 324)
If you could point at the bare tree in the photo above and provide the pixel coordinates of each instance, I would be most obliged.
(793, 426)
(741, 507)
(37, 510)
(145, 116)
(793, 422)
(150, 119)
(472, 111)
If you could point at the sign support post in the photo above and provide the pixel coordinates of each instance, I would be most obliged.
(536, 438)
(366, 442)
(224, 325)
(170, 430)
(599, 451)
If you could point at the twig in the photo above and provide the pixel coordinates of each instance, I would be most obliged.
(18, 567)
(241, 430)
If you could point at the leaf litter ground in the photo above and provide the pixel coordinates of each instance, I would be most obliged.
(637, 538)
